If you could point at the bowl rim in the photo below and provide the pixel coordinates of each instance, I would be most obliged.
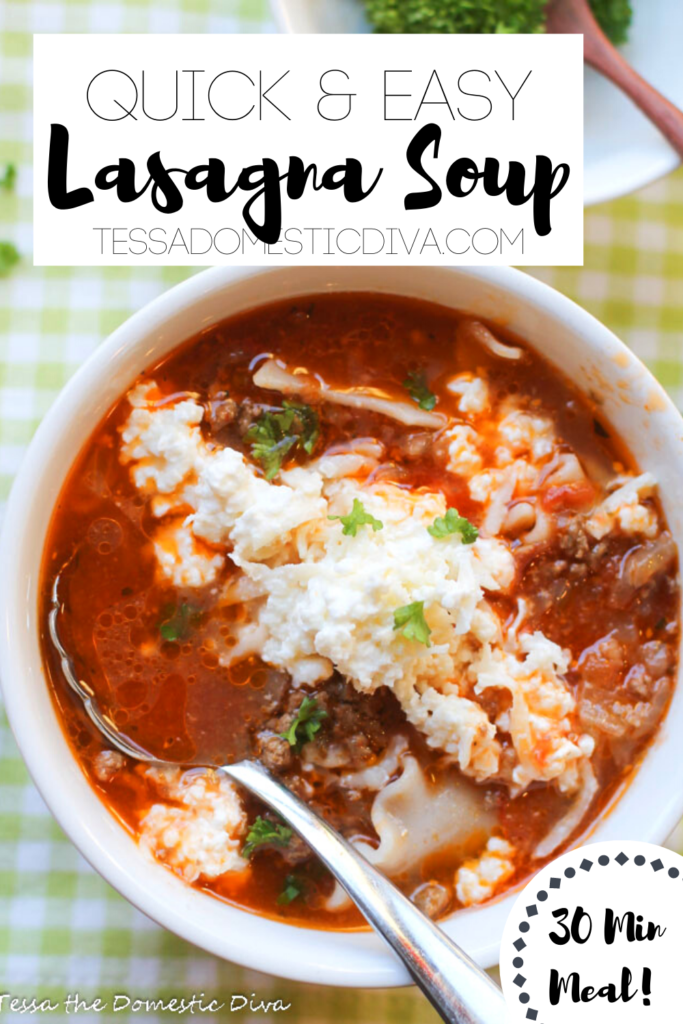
(295, 953)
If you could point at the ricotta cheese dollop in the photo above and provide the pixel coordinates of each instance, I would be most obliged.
(200, 834)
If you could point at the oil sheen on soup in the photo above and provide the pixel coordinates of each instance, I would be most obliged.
(392, 553)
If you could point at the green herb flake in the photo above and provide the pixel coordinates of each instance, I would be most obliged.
(306, 419)
(264, 832)
(274, 435)
(410, 621)
(8, 177)
(309, 719)
(177, 621)
(9, 257)
(416, 386)
(292, 889)
(356, 518)
(446, 526)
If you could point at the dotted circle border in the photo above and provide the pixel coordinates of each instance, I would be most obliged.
(554, 883)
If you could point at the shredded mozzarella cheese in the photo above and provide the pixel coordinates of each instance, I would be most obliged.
(622, 510)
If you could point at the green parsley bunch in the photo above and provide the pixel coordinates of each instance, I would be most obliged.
(614, 16)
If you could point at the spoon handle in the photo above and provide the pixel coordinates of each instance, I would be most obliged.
(576, 16)
(668, 118)
(457, 988)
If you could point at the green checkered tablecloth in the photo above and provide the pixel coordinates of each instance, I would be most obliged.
(62, 929)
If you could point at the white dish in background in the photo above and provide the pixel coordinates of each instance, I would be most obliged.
(569, 337)
(623, 151)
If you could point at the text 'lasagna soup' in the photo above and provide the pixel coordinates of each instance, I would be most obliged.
(393, 554)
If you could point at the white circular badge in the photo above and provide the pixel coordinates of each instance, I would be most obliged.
(597, 936)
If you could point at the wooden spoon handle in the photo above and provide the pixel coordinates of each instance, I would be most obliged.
(576, 16)
(662, 113)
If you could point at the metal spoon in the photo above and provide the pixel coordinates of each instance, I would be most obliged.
(456, 987)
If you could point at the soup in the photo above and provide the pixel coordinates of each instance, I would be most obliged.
(392, 553)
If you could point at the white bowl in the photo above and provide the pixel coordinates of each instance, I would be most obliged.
(622, 150)
(633, 402)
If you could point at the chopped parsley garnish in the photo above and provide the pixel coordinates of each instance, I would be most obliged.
(8, 177)
(357, 517)
(410, 621)
(275, 433)
(177, 621)
(264, 832)
(292, 889)
(416, 386)
(599, 429)
(444, 526)
(9, 257)
(307, 723)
